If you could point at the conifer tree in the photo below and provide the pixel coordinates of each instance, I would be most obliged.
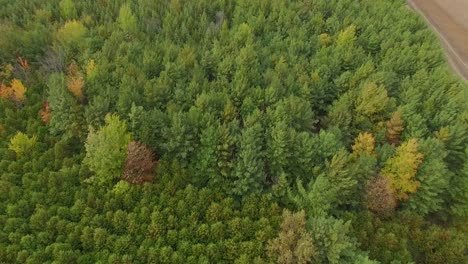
(127, 21)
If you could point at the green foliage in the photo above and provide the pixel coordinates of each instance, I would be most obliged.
(250, 108)
(71, 34)
(68, 9)
(126, 19)
(66, 116)
(106, 150)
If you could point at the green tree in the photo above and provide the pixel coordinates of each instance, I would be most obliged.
(106, 150)
(71, 34)
(249, 173)
(68, 9)
(372, 100)
(66, 113)
(127, 21)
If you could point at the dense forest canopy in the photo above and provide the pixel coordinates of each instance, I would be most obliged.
(269, 131)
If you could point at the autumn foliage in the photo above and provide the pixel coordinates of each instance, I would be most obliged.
(401, 169)
(394, 128)
(46, 113)
(16, 92)
(23, 63)
(364, 144)
(293, 244)
(75, 82)
(139, 164)
(380, 197)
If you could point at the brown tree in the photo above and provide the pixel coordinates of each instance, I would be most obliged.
(379, 197)
(394, 128)
(293, 244)
(139, 164)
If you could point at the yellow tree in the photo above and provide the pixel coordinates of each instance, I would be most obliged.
(401, 169)
(18, 91)
(22, 144)
(4, 91)
(364, 144)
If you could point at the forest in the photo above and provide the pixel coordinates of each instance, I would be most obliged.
(229, 131)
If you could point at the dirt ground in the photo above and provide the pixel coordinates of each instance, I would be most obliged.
(449, 18)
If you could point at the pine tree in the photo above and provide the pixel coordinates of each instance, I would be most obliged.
(227, 148)
(127, 21)
(459, 190)
(278, 149)
(68, 10)
(249, 172)
(66, 114)
(434, 177)
(372, 100)
(207, 158)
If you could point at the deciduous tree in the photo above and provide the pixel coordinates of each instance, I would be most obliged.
(401, 169)
(22, 144)
(293, 244)
(394, 128)
(364, 144)
(380, 197)
(139, 164)
(106, 150)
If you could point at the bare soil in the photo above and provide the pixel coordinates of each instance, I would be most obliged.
(449, 18)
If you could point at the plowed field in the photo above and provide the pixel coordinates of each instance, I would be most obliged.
(449, 18)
